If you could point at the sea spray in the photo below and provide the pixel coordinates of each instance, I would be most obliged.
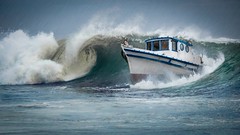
(26, 59)
(80, 57)
(210, 65)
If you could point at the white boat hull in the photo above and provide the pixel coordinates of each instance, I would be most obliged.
(143, 64)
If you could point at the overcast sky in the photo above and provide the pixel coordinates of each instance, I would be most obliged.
(221, 18)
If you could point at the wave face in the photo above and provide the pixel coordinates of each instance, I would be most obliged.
(95, 60)
(41, 59)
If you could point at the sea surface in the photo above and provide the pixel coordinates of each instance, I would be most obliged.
(81, 86)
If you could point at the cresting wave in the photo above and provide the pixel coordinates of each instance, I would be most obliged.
(93, 53)
(41, 59)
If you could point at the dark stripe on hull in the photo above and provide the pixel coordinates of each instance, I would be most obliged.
(141, 52)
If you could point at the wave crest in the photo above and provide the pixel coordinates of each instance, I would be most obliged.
(26, 59)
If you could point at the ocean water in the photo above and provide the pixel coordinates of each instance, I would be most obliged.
(81, 85)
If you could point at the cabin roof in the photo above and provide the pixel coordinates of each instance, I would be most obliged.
(167, 38)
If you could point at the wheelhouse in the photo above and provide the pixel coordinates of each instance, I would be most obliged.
(167, 44)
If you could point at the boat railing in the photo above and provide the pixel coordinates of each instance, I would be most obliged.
(128, 46)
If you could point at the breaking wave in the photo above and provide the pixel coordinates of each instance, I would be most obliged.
(92, 55)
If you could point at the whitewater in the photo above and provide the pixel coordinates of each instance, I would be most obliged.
(40, 58)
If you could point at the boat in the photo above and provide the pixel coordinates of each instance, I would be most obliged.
(160, 57)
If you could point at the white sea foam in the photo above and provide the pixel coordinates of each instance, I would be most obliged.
(210, 65)
(25, 59)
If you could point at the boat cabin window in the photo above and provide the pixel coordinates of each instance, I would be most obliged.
(174, 45)
(187, 48)
(164, 45)
(181, 47)
(155, 46)
(148, 45)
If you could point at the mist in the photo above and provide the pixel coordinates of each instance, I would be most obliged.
(217, 18)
